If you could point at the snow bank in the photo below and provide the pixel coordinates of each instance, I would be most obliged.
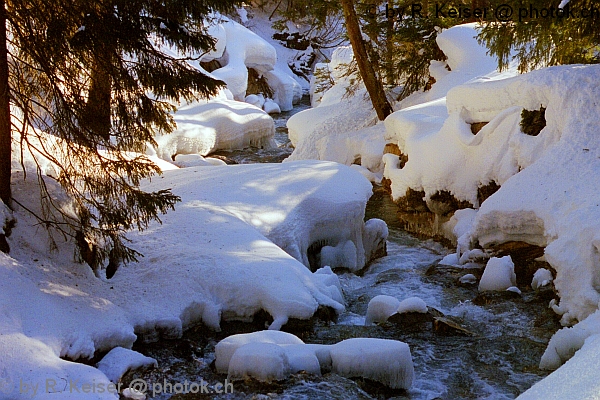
(382, 360)
(499, 274)
(204, 127)
(342, 127)
(209, 260)
(545, 197)
(578, 378)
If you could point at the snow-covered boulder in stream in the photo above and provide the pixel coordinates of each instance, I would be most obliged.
(267, 357)
(204, 127)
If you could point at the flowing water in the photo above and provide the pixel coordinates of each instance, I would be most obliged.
(496, 359)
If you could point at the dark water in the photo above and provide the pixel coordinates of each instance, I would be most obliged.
(497, 360)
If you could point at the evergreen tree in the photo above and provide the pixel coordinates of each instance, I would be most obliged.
(91, 74)
(540, 34)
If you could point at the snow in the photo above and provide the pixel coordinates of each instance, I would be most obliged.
(213, 258)
(380, 308)
(499, 274)
(468, 279)
(545, 198)
(272, 356)
(412, 304)
(265, 362)
(342, 128)
(450, 259)
(567, 341)
(542, 277)
(382, 360)
(225, 349)
(195, 160)
(578, 378)
(204, 127)
(244, 49)
(119, 361)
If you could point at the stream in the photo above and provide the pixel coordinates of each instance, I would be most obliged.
(497, 357)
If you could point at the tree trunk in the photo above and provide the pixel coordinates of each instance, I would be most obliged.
(97, 109)
(373, 85)
(5, 128)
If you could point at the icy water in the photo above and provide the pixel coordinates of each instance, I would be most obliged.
(496, 359)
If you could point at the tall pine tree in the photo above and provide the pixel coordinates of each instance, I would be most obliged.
(91, 74)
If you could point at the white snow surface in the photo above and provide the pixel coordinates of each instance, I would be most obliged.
(382, 360)
(541, 278)
(578, 378)
(220, 124)
(412, 304)
(265, 362)
(342, 127)
(380, 308)
(225, 349)
(119, 360)
(499, 274)
(211, 259)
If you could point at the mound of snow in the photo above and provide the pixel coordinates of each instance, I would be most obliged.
(380, 308)
(119, 361)
(244, 49)
(386, 361)
(204, 127)
(499, 274)
(541, 278)
(265, 362)
(412, 304)
(225, 349)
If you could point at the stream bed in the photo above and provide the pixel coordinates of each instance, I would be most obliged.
(497, 357)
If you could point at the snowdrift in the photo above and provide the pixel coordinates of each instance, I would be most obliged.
(209, 260)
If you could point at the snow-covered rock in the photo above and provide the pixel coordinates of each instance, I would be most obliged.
(380, 308)
(225, 349)
(119, 361)
(382, 360)
(204, 127)
(499, 274)
(412, 304)
(244, 49)
(541, 278)
(265, 362)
